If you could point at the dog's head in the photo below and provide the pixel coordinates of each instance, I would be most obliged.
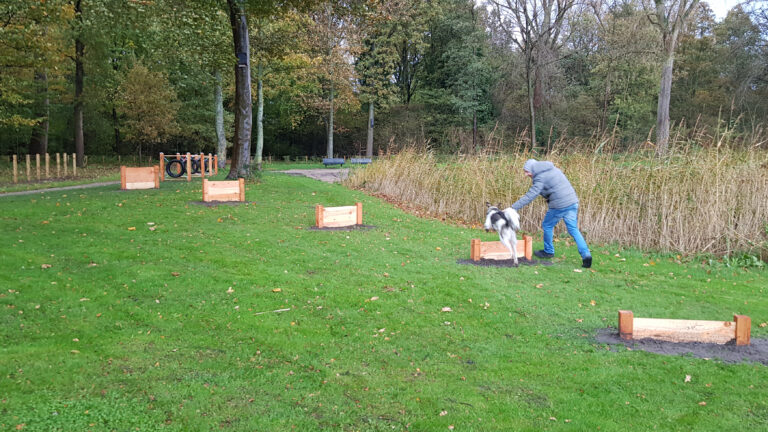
(490, 210)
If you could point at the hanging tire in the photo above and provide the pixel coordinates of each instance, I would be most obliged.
(175, 168)
(196, 166)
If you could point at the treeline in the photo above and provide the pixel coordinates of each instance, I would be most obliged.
(347, 77)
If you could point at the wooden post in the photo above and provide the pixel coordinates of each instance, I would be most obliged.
(122, 177)
(319, 216)
(205, 190)
(474, 251)
(359, 213)
(74, 164)
(37, 165)
(743, 327)
(216, 164)
(202, 165)
(210, 165)
(189, 167)
(47, 165)
(162, 166)
(241, 181)
(58, 164)
(157, 176)
(66, 163)
(15, 169)
(29, 177)
(528, 247)
(626, 324)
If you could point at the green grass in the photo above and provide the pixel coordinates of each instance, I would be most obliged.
(165, 329)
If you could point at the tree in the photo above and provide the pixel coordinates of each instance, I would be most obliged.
(149, 105)
(669, 17)
(534, 26)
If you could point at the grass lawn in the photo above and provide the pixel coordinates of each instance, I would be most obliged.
(138, 310)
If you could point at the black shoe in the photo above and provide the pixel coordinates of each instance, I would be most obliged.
(586, 262)
(542, 254)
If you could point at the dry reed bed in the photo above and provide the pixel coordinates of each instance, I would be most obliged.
(698, 201)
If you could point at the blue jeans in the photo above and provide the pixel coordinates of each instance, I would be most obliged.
(570, 215)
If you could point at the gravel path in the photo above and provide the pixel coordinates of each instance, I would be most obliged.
(63, 188)
(326, 175)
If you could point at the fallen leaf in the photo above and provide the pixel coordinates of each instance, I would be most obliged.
(592, 302)
(553, 418)
(176, 274)
(443, 412)
(230, 290)
(763, 324)
(131, 228)
(540, 286)
(702, 403)
(577, 270)
(45, 266)
(277, 290)
(374, 298)
(687, 378)
(75, 352)
(447, 309)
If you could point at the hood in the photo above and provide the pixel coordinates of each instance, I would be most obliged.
(540, 167)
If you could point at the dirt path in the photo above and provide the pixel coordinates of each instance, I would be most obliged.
(63, 188)
(326, 175)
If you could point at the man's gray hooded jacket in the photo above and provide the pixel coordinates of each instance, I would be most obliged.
(550, 183)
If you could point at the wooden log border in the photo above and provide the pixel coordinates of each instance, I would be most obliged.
(496, 250)
(338, 216)
(225, 190)
(676, 330)
(139, 178)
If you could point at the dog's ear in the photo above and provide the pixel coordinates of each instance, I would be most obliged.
(487, 204)
(499, 206)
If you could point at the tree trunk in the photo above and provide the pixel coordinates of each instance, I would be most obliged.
(531, 108)
(241, 153)
(116, 127)
(260, 118)
(369, 143)
(329, 151)
(665, 91)
(79, 74)
(38, 142)
(221, 139)
(474, 130)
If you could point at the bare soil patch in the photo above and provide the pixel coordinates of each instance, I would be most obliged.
(756, 352)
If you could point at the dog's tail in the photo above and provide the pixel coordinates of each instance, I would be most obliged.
(513, 217)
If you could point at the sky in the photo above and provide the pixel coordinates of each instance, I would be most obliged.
(721, 7)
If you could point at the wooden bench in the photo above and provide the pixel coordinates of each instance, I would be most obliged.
(139, 178)
(362, 161)
(227, 190)
(333, 161)
(677, 330)
(496, 250)
(338, 216)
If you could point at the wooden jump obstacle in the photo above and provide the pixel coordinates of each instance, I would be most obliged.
(338, 216)
(677, 330)
(226, 190)
(213, 164)
(139, 178)
(496, 250)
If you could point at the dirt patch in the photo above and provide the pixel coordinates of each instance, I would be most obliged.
(218, 203)
(328, 175)
(62, 188)
(504, 263)
(756, 352)
(344, 228)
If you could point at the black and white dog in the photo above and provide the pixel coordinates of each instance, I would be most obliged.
(506, 222)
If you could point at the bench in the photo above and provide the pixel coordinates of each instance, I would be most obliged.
(333, 161)
(362, 161)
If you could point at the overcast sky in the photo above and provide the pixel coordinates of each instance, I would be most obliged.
(721, 7)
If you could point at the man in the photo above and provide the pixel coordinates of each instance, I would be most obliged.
(551, 183)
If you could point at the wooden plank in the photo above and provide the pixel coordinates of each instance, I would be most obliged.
(339, 216)
(162, 166)
(202, 165)
(74, 165)
(743, 329)
(58, 167)
(28, 169)
(123, 177)
(528, 247)
(139, 177)
(157, 176)
(359, 213)
(474, 251)
(626, 319)
(496, 250)
(15, 169)
(189, 167)
(47, 165)
(242, 189)
(674, 330)
(319, 216)
(140, 185)
(205, 190)
(216, 164)
(37, 164)
(223, 190)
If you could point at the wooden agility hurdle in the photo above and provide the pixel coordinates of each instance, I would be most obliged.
(139, 178)
(497, 251)
(338, 216)
(677, 330)
(213, 165)
(225, 190)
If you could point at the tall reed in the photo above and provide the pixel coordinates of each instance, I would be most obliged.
(698, 200)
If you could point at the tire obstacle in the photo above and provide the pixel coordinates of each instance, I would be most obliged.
(496, 250)
(677, 330)
(139, 177)
(333, 217)
(188, 164)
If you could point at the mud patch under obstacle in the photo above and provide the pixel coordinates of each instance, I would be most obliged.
(504, 263)
(218, 203)
(343, 228)
(755, 352)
